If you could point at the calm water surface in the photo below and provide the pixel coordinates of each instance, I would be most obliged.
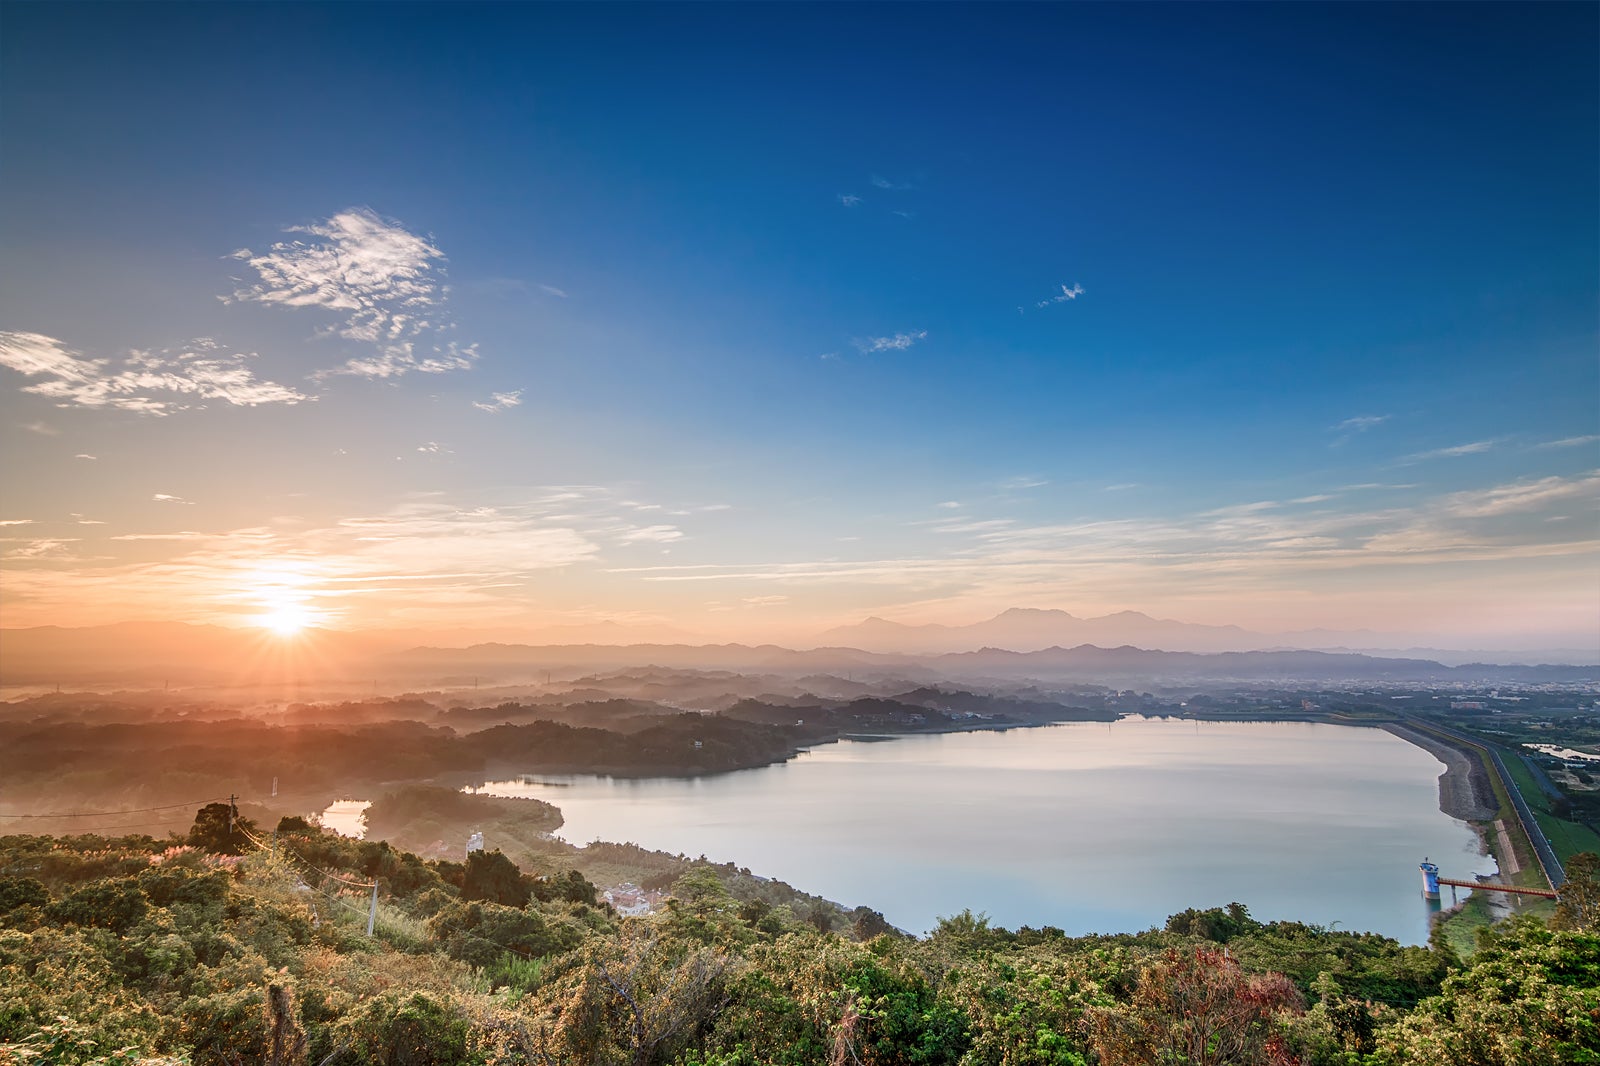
(1091, 827)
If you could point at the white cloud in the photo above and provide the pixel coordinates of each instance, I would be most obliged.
(1063, 296)
(499, 401)
(384, 282)
(849, 201)
(899, 342)
(432, 447)
(551, 290)
(44, 548)
(85, 455)
(393, 360)
(1014, 484)
(1472, 448)
(186, 534)
(879, 182)
(1361, 423)
(1570, 442)
(162, 497)
(650, 534)
(363, 265)
(147, 382)
(1522, 496)
(951, 504)
(16, 521)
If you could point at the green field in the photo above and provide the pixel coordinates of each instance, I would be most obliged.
(1568, 838)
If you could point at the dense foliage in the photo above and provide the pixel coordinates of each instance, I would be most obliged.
(129, 950)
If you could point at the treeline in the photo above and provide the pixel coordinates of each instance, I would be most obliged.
(126, 950)
(64, 762)
(83, 760)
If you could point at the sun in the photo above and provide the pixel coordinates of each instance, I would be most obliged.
(286, 620)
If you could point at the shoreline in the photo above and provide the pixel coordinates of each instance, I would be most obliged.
(1464, 789)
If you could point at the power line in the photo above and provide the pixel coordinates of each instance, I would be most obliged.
(101, 830)
(113, 814)
(258, 842)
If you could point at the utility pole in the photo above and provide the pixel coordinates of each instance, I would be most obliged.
(372, 915)
(233, 812)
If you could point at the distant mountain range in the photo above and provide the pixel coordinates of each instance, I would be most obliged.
(151, 654)
(1024, 629)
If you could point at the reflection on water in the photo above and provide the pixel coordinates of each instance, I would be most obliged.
(1085, 826)
(347, 817)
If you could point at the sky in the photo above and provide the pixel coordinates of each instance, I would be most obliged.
(741, 322)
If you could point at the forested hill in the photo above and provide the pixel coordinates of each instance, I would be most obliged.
(234, 945)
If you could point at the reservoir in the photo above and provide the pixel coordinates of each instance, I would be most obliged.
(1089, 827)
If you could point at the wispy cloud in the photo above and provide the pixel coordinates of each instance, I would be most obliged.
(897, 342)
(849, 199)
(551, 290)
(415, 564)
(382, 280)
(499, 401)
(1062, 297)
(156, 383)
(374, 270)
(1361, 423)
(1014, 484)
(162, 497)
(1258, 547)
(651, 534)
(85, 455)
(1472, 448)
(1569, 442)
(880, 182)
(45, 548)
(16, 521)
(1522, 496)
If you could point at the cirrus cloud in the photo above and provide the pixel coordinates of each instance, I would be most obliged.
(156, 383)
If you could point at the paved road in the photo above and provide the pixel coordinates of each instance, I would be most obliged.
(1553, 871)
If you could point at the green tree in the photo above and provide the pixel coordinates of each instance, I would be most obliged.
(218, 828)
(493, 877)
(1579, 904)
(1530, 998)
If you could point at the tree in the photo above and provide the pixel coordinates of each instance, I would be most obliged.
(1530, 998)
(1197, 1008)
(218, 828)
(286, 1041)
(493, 877)
(1579, 904)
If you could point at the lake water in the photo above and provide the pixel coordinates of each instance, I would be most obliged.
(1091, 827)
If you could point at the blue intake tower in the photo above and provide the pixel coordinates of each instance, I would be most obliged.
(1430, 880)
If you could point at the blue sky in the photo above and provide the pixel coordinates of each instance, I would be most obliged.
(775, 300)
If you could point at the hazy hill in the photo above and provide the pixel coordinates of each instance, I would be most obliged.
(1138, 664)
(1030, 629)
(151, 654)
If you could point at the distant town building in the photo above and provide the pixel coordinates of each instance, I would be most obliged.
(474, 843)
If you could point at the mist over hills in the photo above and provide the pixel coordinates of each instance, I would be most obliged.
(1027, 629)
(155, 654)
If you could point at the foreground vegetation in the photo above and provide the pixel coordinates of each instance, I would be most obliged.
(216, 951)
